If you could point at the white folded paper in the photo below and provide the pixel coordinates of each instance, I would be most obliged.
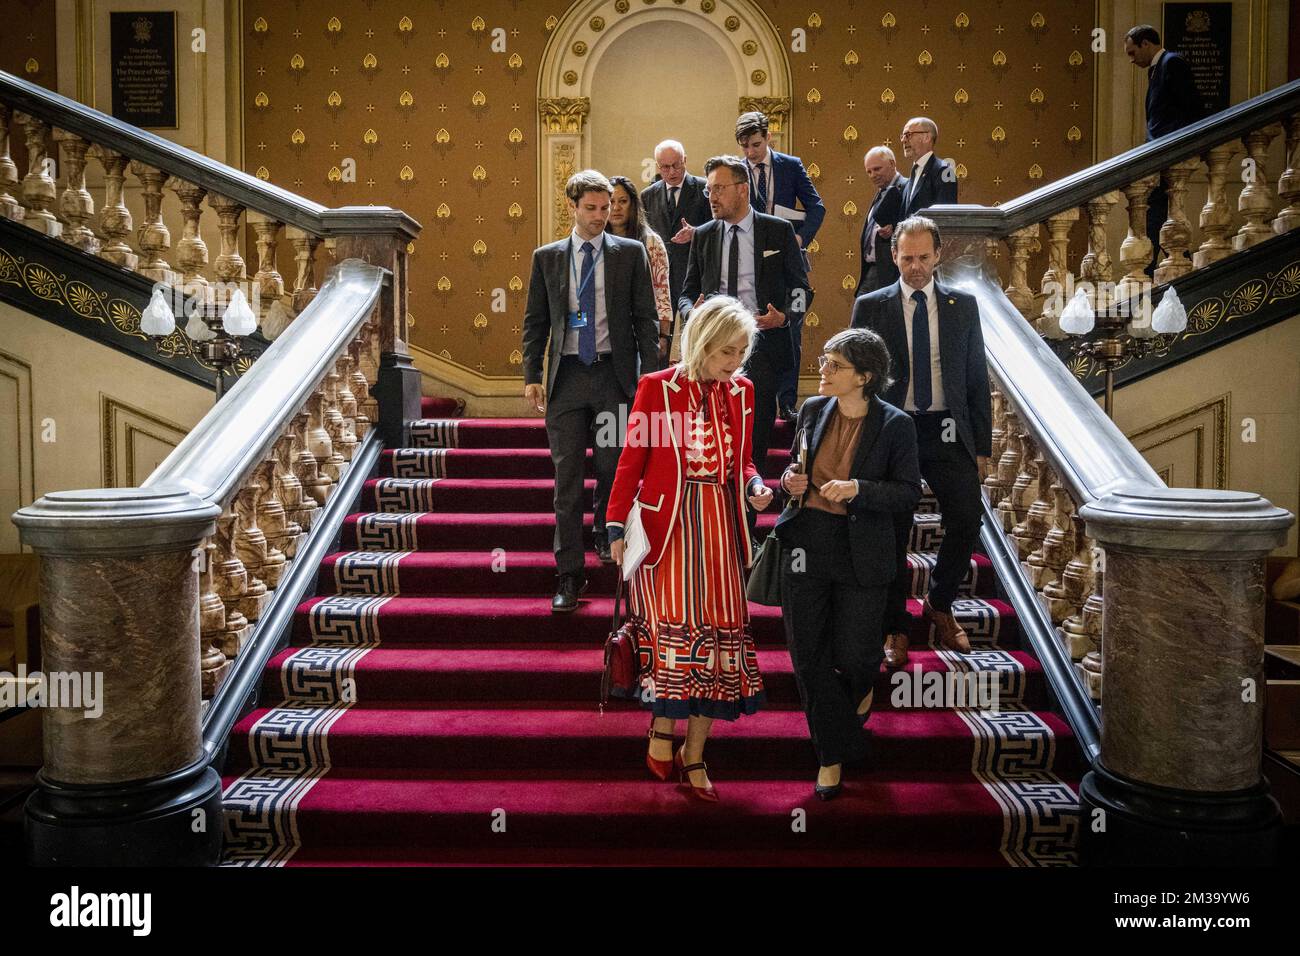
(788, 214)
(636, 545)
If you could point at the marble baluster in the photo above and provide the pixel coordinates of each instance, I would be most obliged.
(360, 389)
(252, 541)
(153, 238)
(1015, 506)
(76, 204)
(1055, 286)
(1070, 593)
(1176, 233)
(1288, 184)
(114, 218)
(1032, 529)
(231, 580)
(1049, 562)
(228, 267)
(304, 254)
(319, 443)
(191, 250)
(347, 400)
(1135, 251)
(1094, 625)
(1023, 242)
(39, 192)
(1256, 199)
(1216, 214)
(218, 630)
(335, 425)
(268, 282)
(10, 207)
(1007, 467)
(299, 508)
(1096, 267)
(315, 482)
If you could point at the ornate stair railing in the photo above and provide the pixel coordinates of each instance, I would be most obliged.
(50, 196)
(1147, 598)
(177, 592)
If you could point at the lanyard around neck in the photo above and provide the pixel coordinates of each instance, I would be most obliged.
(597, 249)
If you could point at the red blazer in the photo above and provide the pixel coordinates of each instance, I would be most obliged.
(657, 467)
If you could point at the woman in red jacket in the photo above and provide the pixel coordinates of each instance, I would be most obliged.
(688, 448)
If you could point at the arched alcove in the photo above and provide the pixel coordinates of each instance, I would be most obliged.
(572, 103)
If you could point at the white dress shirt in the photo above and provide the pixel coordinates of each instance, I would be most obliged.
(938, 401)
(918, 166)
(574, 265)
(745, 290)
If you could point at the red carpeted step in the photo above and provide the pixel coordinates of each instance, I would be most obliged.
(505, 570)
(505, 675)
(440, 406)
(499, 463)
(876, 814)
(435, 432)
(525, 620)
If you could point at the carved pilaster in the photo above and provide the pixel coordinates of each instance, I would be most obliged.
(76, 204)
(563, 114)
(1216, 214)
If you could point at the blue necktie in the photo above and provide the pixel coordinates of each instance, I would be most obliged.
(587, 305)
(921, 353)
(760, 187)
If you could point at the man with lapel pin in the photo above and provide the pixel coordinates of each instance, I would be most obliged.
(591, 315)
(940, 377)
(932, 182)
(674, 206)
(878, 269)
(777, 181)
(754, 258)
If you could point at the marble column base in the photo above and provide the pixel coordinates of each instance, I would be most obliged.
(1127, 823)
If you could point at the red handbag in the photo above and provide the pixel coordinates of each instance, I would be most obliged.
(622, 671)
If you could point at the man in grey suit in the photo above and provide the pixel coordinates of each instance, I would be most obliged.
(940, 374)
(674, 206)
(591, 315)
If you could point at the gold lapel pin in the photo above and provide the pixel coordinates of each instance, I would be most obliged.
(952, 301)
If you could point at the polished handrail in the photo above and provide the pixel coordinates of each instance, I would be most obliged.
(1076, 189)
(214, 458)
(1084, 447)
(153, 150)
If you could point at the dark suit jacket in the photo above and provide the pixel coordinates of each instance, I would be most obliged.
(779, 278)
(932, 189)
(889, 480)
(886, 210)
(790, 182)
(629, 310)
(691, 206)
(961, 357)
(1172, 99)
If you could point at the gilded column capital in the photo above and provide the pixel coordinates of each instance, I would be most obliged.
(564, 114)
(775, 108)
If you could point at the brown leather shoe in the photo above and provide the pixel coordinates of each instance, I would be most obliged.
(950, 632)
(896, 649)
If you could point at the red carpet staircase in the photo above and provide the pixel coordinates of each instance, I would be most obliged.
(432, 710)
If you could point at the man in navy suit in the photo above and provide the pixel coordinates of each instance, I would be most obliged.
(1172, 103)
(777, 182)
(941, 379)
(932, 181)
(674, 205)
(754, 258)
(877, 267)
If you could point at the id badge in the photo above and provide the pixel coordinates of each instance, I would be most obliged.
(577, 320)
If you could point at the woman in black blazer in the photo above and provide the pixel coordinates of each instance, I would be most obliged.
(854, 464)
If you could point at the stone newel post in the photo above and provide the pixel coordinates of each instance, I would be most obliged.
(120, 598)
(1178, 778)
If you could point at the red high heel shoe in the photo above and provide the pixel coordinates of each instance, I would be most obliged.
(708, 794)
(662, 769)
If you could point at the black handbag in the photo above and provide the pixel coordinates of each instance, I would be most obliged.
(764, 586)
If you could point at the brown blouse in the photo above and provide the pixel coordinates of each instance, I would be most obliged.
(834, 460)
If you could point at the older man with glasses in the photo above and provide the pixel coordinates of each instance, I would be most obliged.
(674, 206)
(932, 181)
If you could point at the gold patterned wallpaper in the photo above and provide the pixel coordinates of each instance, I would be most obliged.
(28, 48)
(443, 123)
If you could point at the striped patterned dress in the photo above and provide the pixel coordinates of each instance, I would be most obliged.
(697, 653)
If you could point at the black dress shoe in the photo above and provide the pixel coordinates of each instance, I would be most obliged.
(567, 589)
(788, 412)
(602, 550)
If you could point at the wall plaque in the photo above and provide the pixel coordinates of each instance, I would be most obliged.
(1202, 33)
(143, 67)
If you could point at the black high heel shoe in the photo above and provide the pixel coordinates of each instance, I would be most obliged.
(832, 791)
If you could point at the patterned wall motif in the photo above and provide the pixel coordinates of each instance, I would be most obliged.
(445, 126)
(29, 48)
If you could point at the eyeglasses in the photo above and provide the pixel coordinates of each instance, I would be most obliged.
(909, 133)
(825, 361)
(670, 166)
(722, 186)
